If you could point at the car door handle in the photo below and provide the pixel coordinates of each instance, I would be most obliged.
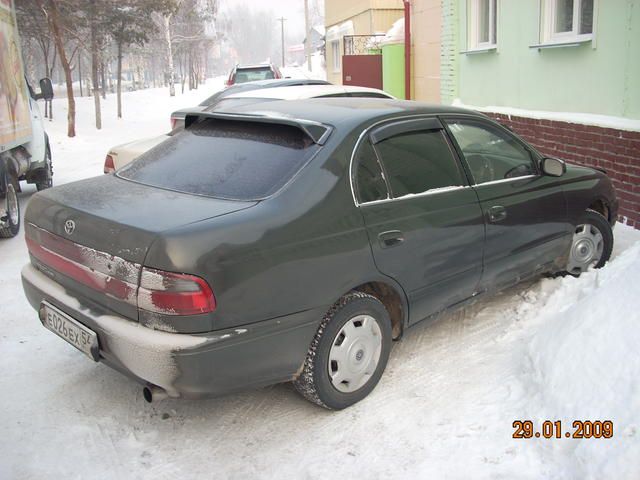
(391, 238)
(497, 213)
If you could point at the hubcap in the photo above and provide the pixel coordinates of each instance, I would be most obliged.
(12, 205)
(355, 353)
(586, 249)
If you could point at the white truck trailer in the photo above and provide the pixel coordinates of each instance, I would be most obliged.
(24, 145)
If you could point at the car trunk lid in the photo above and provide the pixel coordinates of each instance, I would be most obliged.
(92, 236)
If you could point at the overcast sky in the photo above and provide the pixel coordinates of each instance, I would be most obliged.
(292, 10)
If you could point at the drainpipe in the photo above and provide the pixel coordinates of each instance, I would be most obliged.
(407, 49)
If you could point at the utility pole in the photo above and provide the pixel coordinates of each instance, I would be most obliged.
(282, 20)
(307, 40)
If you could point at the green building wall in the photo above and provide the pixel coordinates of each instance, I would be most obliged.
(600, 77)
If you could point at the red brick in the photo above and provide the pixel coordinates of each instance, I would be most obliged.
(617, 151)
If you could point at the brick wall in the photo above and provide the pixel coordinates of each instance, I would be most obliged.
(617, 151)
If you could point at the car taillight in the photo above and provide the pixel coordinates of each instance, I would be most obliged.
(173, 122)
(111, 275)
(170, 293)
(109, 165)
(152, 290)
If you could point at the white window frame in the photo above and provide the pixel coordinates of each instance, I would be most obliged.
(473, 25)
(335, 53)
(549, 12)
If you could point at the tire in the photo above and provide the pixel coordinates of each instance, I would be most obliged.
(11, 205)
(46, 176)
(591, 245)
(353, 311)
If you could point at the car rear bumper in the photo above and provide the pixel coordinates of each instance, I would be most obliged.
(187, 365)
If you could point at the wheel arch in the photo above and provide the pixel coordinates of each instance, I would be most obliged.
(8, 167)
(394, 299)
(601, 205)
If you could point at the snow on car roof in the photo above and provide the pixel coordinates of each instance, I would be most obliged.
(257, 65)
(301, 92)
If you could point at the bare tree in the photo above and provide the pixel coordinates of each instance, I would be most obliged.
(58, 30)
(131, 23)
(184, 30)
(34, 30)
(51, 10)
(165, 22)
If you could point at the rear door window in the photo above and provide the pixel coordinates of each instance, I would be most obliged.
(370, 182)
(418, 161)
(225, 159)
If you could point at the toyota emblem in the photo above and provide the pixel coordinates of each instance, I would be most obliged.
(69, 226)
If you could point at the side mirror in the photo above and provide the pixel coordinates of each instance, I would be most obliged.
(46, 89)
(553, 167)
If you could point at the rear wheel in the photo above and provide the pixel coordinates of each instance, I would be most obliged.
(591, 245)
(348, 354)
(11, 206)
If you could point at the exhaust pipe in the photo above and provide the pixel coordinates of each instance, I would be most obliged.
(153, 393)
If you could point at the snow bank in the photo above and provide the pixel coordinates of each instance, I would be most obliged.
(585, 365)
(318, 73)
(604, 121)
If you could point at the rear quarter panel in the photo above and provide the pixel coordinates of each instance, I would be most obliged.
(299, 250)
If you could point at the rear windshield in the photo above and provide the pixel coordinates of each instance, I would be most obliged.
(253, 74)
(225, 159)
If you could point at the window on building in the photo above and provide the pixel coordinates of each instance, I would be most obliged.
(482, 24)
(567, 20)
(335, 52)
(417, 162)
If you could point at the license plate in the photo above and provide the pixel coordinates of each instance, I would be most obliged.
(70, 330)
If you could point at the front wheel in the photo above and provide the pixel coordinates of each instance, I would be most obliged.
(348, 353)
(10, 225)
(591, 245)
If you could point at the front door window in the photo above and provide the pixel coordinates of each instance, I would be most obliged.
(491, 153)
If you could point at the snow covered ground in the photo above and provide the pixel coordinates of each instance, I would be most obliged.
(557, 349)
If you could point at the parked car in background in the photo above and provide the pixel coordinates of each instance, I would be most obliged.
(123, 154)
(252, 73)
(299, 93)
(177, 117)
(295, 242)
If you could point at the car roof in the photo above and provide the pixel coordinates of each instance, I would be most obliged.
(345, 112)
(258, 85)
(306, 91)
(257, 65)
(279, 82)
